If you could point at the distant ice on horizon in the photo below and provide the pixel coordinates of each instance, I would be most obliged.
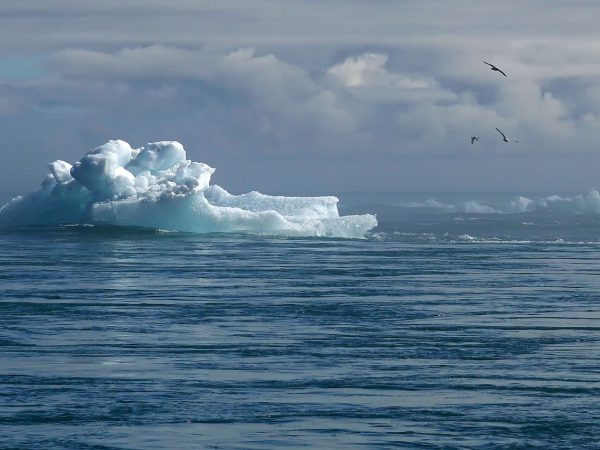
(587, 203)
(155, 186)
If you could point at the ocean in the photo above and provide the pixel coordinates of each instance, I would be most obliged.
(457, 323)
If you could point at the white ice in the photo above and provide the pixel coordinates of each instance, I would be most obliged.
(156, 186)
(588, 203)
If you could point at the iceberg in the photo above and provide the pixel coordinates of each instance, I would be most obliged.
(156, 186)
(587, 203)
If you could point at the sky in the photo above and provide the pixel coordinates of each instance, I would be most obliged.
(307, 96)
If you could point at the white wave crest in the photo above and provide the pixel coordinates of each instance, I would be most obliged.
(156, 186)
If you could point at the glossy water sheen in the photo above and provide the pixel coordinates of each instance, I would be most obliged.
(418, 337)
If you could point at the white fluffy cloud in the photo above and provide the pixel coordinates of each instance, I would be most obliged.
(366, 77)
(336, 83)
(368, 71)
(356, 104)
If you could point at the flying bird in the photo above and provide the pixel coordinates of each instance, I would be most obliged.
(495, 68)
(504, 138)
(473, 139)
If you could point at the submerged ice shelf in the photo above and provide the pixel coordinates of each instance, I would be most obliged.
(156, 186)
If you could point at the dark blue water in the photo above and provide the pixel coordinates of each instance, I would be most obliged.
(438, 331)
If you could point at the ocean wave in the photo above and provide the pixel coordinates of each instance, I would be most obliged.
(465, 238)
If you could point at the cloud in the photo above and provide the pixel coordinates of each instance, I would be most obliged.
(331, 83)
(152, 62)
(366, 77)
(367, 70)
(364, 102)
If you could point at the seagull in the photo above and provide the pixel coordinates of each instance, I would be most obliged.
(504, 138)
(495, 68)
(473, 139)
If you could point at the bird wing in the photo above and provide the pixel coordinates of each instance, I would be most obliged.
(503, 135)
(501, 72)
(489, 64)
(472, 140)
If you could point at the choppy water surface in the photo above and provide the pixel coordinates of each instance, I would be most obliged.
(438, 331)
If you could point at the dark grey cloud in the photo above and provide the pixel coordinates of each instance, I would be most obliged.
(305, 95)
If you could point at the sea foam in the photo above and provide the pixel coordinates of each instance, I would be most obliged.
(156, 186)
